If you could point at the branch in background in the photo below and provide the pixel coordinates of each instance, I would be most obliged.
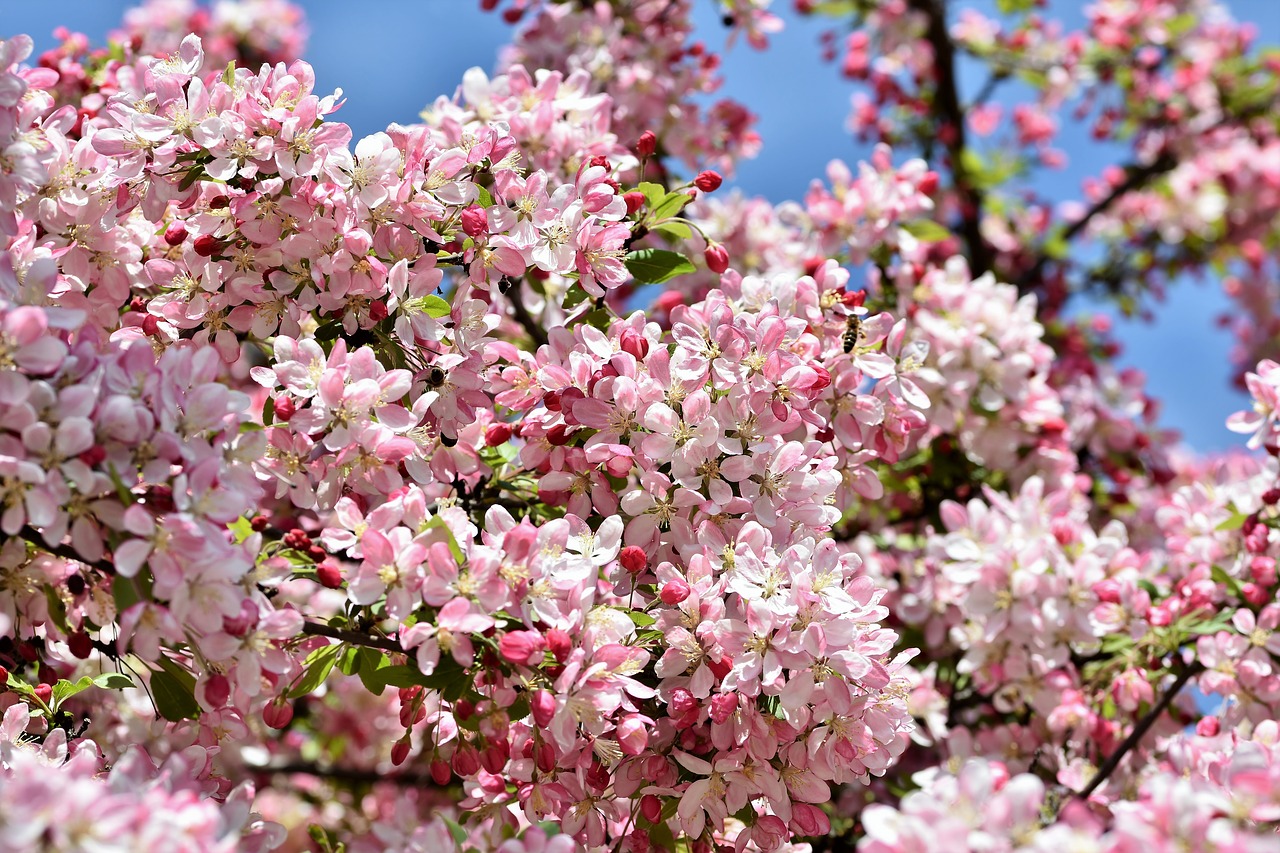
(1136, 177)
(346, 774)
(356, 638)
(950, 115)
(1140, 729)
(531, 326)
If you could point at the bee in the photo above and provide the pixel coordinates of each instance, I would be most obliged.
(435, 377)
(852, 331)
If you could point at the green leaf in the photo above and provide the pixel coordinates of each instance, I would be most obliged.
(653, 193)
(673, 231)
(641, 619)
(174, 690)
(329, 330)
(670, 206)
(113, 681)
(372, 660)
(437, 523)
(241, 529)
(654, 266)
(455, 829)
(926, 230)
(349, 662)
(1234, 522)
(64, 689)
(436, 307)
(485, 199)
(269, 411)
(318, 666)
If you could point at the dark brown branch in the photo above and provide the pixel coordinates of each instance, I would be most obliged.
(346, 774)
(66, 552)
(525, 319)
(949, 114)
(1140, 729)
(1136, 177)
(355, 638)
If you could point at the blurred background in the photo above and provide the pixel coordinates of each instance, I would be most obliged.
(392, 57)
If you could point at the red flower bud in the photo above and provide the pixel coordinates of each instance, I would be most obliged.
(440, 772)
(285, 407)
(400, 751)
(466, 761)
(647, 144)
(217, 690)
(1208, 727)
(929, 183)
(651, 808)
(634, 200)
(723, 705)
(708, 181)
(81, 645)
(717, 258)
(207, 245)
(522, 648)
(720, 668)
(175, 234)
(378, 311)
(633, 559)
(474, 221)
(44, 692)
(560, 643)
(497, 433)
(634, 344)
(277, 714)
(329, 575)
(4, 678)
(674, 591)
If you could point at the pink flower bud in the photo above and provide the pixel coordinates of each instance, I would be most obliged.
(474, 221)
(723, 705)
(809, 820)
(674, 591)
(708, 181)
(277, 713)
(717, 258)
(522, 648)
(466, 761)
(80, 644)
(44, 692)
(494, 758)
(545, 757)
(217, 690)
(682, 702)
(1254, 594)
(651, 808)
(633, 559)
(634, 343)
(400, 751)
(1208, 727)
(378, 311)
(497, 433)
(633, 734)
(285, 407)
(440, 772)
(769, 832)
(150, 325)
(647, 144)
(543, 706)
(560, 644)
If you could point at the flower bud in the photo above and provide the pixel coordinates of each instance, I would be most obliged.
(277, 713)
(285, 407)
(175, 234)
(633, 559)
(647, 144)
(466, 761)
(440, 772)
(522, 648)
(81, 645)
(217, 690)
(809, 820)
(150, 325)
(717, 258)
(4, 678)
(651, 808)
(207, 245)
(494, 758)
(474, 221)
(560, 644)
(543, 707)
(708, 181)
(632, 734)
(723, 705)
(634, 344)
(497, 433)
(674, 591)
(1208, 727)
(682, 702)
(634, 200)
(329, 575)
(545, 757)
(44, 692)
(400, 751)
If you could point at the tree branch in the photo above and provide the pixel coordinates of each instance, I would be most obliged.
(1136, 177)
(355, 638)
(346, 774)
(525, 319)
(1140, 729)
(949, 113)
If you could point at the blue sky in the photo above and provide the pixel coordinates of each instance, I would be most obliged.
(391, 57)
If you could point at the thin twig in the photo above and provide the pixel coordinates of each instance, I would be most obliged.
(1139, 730)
